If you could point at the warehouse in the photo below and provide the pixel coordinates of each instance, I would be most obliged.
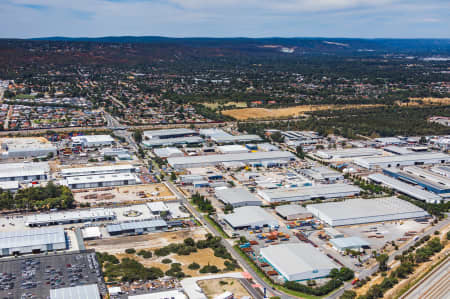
(308, 193)
(24, 172)
(298, 261)
(11, 186)
(232, 149)
(358, 211)
(93, 140)
(172, 141)
(137, 227)
(442, 170)
(211, 160)
(91, 233)
(169, 133)
(333, 233)
(120, 153)
(32, 241)
(348, 153)
(250, 217)
(89, 291)
(293, 212)
(405, 188)
(172, 294)
(323, 174)
(60, 218)
(166, 152)
(349, 243)
(398, 150)
(427, 179)
(402, 160)
(187, 179)
(237, 197)
(96, 170)
(158, 207)
(102, 180)
(235, 138)
(26, 148)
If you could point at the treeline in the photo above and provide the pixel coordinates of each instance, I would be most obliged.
(436, 209)
(203, 203)
(212, 114)
(38, 198)
(372, 122)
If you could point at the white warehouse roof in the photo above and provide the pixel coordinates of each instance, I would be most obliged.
(8, 170)
(237, 197)
(235, 138)
(402, 160)
(32, 237)
(358, 210)
(64, 217)
(250, 217)
(172, 141)
(298, 261)
(89, 291)
(168, 132)
(196, 161)
(310, 192)
(97, 170)
(405, 188)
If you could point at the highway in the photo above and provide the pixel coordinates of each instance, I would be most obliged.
(229, 247)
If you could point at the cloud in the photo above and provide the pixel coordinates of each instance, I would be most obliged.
(363, 18)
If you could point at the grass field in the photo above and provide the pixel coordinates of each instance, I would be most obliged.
(264, 113)
(217, 104)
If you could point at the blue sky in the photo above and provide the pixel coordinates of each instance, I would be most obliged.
(226, 18)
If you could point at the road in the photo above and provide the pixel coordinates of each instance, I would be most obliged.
(369, 272)
(435, 285)
(229, 247)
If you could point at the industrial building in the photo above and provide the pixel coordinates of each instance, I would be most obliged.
(293, 212)
(212, 160)
(402, 160)
(26, 147)
(157, 207)
(166, 152)
(333, 233)
(32, 241)
(24, 172)
(349, 243)
(427, 179)
(232, 149)
(323, 174)
(235, 138)
(298, 261)
(172, 141)
(91, 233)
(358, 211)
(11, 186)
(405, 188)
(389, 141)
(348, 153)
(398, 150)
(59, 218)
(92, 140)
(309, 192)
(237, 197)
(120, 153)
(250, 217)
(169, 133)
(88, 291)
(442, 170)
(102, 180)
(137, 227)
(96, 170)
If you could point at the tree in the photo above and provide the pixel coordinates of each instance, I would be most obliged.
(173, 176)
(348, 295)
(137, 135)
(382, 260)
(300, 152)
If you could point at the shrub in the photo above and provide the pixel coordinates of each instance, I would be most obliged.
(130, 250)
(166, 261)
(145, 254)
(194, 266)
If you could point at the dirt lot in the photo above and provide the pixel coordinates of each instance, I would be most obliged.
(215, 105)
(149, 241)
(202, 257)
(261, 113)
(431, 101)
(124, 194)
(214, 287)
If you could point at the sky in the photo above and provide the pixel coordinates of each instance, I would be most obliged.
(226, 18)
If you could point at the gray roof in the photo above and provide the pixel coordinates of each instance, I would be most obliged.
(79, 215)
(96, 169)
(89, 291)
(235, 138)
(309, 192)
(118, 227)
(168, 132)
(250, 216)
(23, 169)
(349, 242)
(236, 195)
(398, 150)
(348, 152)
(426, 176)
(289, 210)
(241, 157)
(365, 208)
(404, 187)
(404, 158)
(172, 141)
(294, 258)
(99, 178)
(32, 237)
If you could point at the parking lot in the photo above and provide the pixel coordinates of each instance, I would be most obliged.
(34, 276)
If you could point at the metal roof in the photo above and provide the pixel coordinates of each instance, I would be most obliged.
(96, 169)
(365, 208)
(89, 291)
(23, 169)
(241, 157)
(349, 242)
(348, 153)
(236, 138)
(97, 138)
(32, 237)
(250, 216)
(167, 151)
(168, 132)
(404, 188)
(80, 215)
(157, 206)
(309, 192)
(289, 210)
(405, 158)
(86, 179)
(294, 258)
(398, 150)
(236, 195)
(124, 226)
(173, 141)
(9, 185)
